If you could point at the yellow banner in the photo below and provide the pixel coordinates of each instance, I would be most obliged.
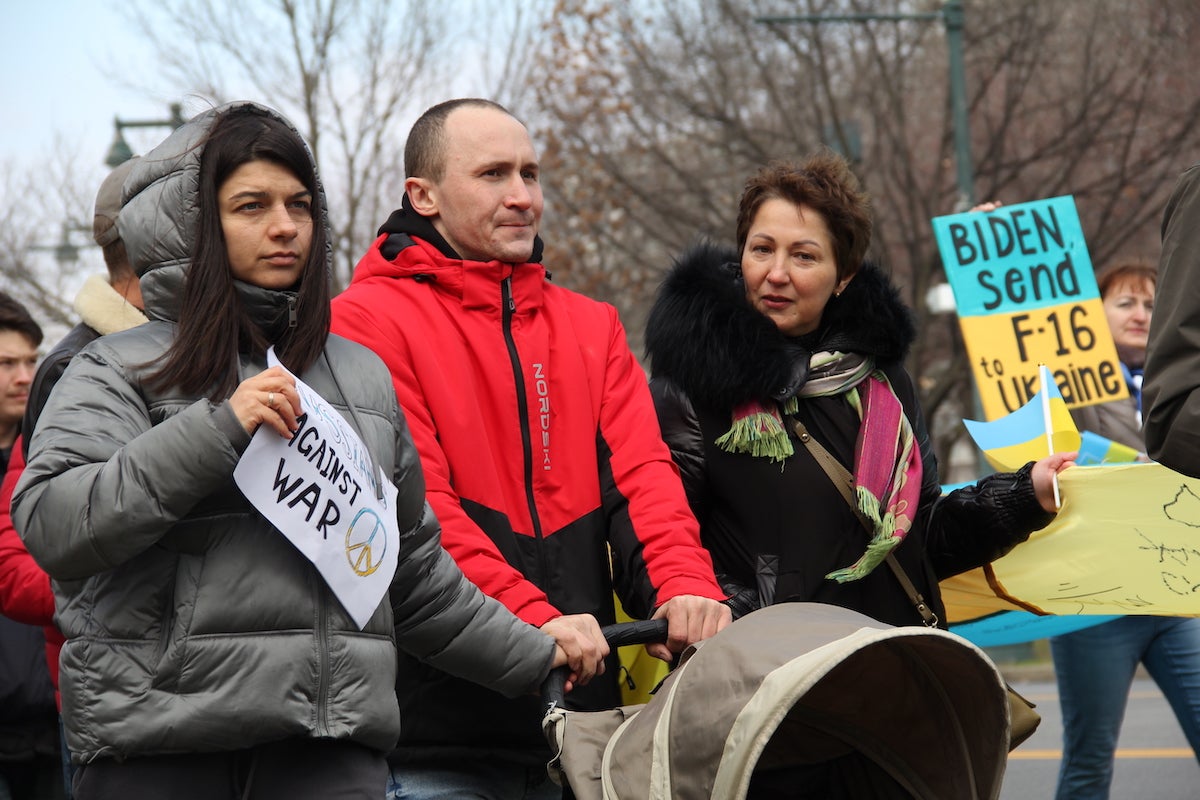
(1127, 541)
(1072, 339)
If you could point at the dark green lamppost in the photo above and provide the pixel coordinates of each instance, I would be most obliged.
(66, 252)
(120, 152)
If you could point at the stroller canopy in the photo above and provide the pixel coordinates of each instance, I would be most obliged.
(792, 686)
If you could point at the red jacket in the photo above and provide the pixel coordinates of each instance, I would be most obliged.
(537, 435)
(564, 390)
(25, 593)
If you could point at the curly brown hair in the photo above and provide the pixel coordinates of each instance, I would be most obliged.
(825, 183)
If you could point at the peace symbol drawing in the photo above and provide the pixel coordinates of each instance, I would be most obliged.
(366, 542)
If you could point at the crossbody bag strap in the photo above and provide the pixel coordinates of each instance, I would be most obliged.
(844, 481)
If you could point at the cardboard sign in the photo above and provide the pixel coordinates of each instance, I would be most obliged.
(321, 490)
(1027, 295)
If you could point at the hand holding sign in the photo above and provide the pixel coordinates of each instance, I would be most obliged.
(319, 487)
(1026, 294)
(269, 398)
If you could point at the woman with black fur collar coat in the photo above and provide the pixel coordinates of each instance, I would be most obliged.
(796, 336)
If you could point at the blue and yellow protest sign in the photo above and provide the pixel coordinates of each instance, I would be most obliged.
(1026, 294)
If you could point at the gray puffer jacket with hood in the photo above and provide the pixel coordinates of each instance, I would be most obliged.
(192, 624)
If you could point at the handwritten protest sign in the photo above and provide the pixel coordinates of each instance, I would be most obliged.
(321, 490)
(1127, 541)
(1026, 294)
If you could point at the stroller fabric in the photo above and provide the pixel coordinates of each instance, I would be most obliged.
(797, 700)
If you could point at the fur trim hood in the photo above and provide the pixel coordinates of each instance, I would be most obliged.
(103, 309)
(704, 337)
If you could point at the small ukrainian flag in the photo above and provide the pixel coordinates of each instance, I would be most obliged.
(1035, 430)
(1095, 449)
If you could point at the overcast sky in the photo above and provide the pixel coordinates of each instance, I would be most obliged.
(56, 63)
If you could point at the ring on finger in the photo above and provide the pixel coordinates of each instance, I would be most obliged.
(271, 399)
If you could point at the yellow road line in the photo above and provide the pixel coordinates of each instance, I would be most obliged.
(1051, 696)
(1124, 752)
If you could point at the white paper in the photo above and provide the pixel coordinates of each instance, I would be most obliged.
(319, 490)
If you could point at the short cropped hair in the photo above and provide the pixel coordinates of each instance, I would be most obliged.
(825, 183)
(425, 150)
(15, 317)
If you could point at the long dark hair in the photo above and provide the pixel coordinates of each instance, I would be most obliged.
(213, 324)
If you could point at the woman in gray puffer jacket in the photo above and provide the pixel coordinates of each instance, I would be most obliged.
(206, 657)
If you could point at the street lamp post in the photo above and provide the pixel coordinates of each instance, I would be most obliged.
(120, 152)
(951, 16)
(66, 251)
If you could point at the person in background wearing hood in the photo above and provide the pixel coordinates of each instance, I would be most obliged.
(795, 340)
(537, 434)
(1095, 666)
(206, 657)
(104, 306)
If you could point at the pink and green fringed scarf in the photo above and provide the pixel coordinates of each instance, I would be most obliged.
(887, 461)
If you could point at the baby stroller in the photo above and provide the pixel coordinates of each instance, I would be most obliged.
(792, 691)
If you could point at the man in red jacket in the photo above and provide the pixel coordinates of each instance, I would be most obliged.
(542, 454)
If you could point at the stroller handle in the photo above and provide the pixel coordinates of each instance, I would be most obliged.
(645, 631)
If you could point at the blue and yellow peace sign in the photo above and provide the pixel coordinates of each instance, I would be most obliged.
(366, 542)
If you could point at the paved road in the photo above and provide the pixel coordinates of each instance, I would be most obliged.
(1153, 761)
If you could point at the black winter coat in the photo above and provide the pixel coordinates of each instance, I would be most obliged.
(775, 529)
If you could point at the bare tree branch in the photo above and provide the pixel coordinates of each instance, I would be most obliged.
(345, 71)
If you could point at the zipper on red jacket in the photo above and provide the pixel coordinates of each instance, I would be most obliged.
(509, 308)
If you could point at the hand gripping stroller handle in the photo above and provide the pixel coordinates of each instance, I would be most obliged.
(644, 631)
